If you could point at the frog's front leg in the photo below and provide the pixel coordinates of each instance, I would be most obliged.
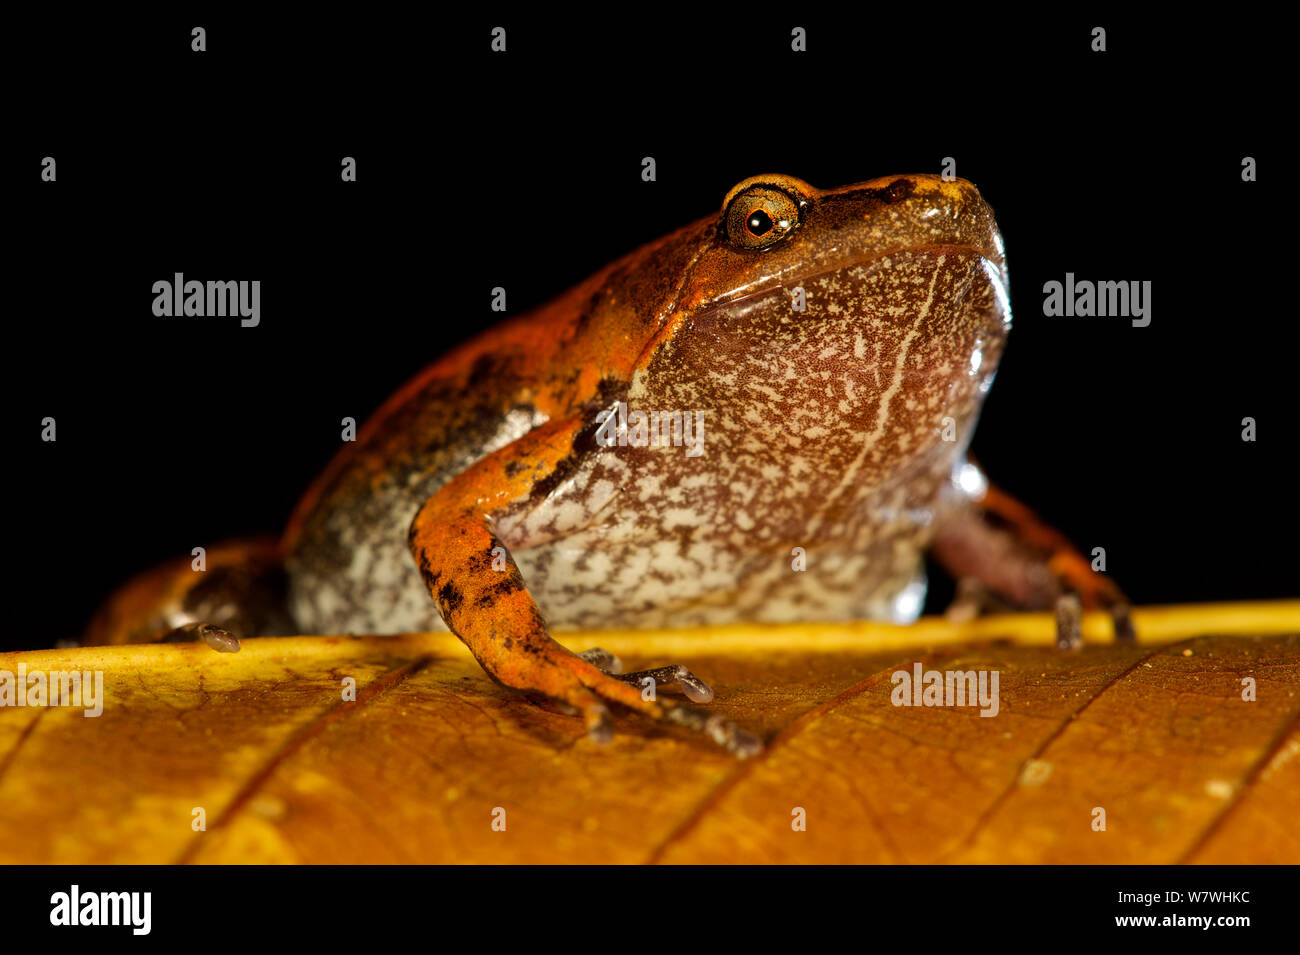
(1002, 547)
(484, 599)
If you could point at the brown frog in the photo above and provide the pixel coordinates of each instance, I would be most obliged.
(760, 417)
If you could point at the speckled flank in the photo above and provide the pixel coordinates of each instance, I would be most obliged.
(823, 432)
(352, 572)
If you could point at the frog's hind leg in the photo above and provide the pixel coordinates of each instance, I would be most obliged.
(1002, 549)
(239, 592)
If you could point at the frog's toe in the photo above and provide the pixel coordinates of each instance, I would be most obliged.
(1124, 631)
(602, 659)
(595, 714)
(696, 690)
(722, 731)
(626, 690)
(1069, 622)
(218, 638)
(223, 641)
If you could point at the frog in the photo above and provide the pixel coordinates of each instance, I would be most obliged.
(761, 417)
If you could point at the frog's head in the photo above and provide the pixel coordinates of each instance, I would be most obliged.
(856, 329)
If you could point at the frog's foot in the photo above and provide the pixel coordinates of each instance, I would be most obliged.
(219, 639)
(574, 680)
(974, 599)
(594, 691)
(696, 690)
(1002, 548)
(1069, 622)
(600, 687)
(243, 593)
(1093, 591)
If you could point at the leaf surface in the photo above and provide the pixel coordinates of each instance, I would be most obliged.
(430, 752)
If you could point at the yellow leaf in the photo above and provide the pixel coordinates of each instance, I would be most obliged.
(432, 762)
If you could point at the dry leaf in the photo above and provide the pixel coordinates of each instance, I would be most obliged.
(417, 768)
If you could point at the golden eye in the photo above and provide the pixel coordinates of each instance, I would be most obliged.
(759, 215)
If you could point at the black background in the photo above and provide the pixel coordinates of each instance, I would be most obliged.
(523, 170)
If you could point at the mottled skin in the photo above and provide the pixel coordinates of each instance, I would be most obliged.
(840, 429)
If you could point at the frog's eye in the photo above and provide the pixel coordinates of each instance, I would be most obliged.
(762, 215)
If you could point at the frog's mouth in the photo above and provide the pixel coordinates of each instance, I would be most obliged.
(861, 269)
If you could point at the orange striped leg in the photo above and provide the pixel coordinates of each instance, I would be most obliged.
(490, 609)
